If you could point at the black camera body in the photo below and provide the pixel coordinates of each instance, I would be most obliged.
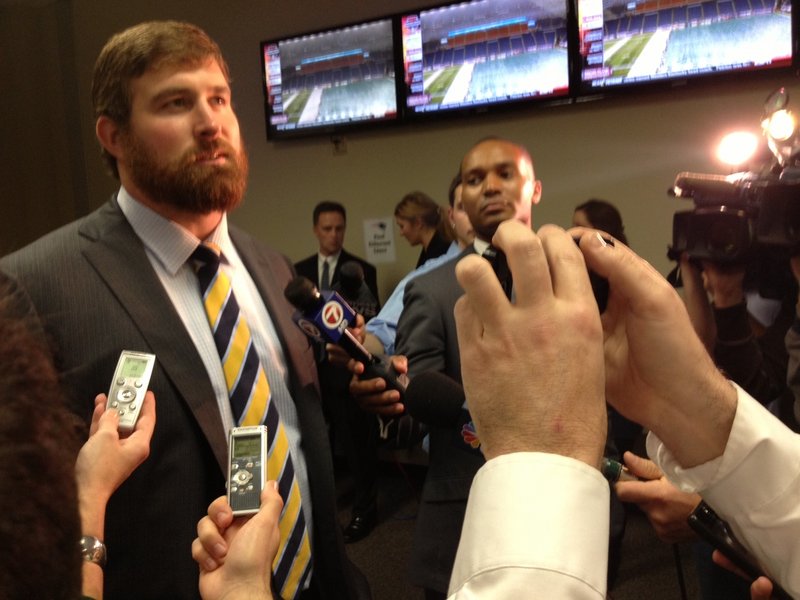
(750, 219)
(737, 219)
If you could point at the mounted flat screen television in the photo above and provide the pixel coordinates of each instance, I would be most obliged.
(476, 54)
(329, 81)
(624, 42)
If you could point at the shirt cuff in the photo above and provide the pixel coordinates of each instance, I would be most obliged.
(758, 444)
(531, 513)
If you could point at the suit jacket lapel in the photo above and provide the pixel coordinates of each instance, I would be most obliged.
(111, 246)
(263, 271)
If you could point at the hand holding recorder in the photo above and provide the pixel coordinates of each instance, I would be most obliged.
(235, 554)
(106, 459)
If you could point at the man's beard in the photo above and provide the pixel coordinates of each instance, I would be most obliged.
(187, 184)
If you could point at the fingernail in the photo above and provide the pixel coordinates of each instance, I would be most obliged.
(210, 564)
(274, 485)
(219, 550)
(600, 239)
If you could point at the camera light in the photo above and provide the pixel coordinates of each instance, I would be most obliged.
(737, 148)
(780, 125)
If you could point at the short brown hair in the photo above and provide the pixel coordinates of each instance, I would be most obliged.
(130, 53)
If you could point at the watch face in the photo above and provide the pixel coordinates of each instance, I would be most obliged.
(93, 550)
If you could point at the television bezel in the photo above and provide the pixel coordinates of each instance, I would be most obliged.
(330, 129)
(499, 106)
(583, 90)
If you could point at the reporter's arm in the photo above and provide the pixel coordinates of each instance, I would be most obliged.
(541, 419)
(104, 462)
(754, 485)
(697, 303)
(235, 555)
(658, 373)
(536, 526)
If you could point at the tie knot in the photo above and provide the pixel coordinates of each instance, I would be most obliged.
(207, 254)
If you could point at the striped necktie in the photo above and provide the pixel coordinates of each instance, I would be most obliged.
(250, 401)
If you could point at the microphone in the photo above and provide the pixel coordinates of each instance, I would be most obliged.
(325, 317)
(351, 276)
(434, 398)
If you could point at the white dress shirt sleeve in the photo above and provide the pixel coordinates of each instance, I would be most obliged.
(536, 526)
(754, 486)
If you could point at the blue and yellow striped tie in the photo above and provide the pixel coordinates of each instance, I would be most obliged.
(250, 401)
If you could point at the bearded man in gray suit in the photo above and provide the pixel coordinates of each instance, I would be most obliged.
(124, 278)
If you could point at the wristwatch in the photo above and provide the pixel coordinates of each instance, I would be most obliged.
(93, 550)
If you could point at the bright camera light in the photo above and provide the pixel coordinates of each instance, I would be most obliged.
(737, 148)
(780, 125)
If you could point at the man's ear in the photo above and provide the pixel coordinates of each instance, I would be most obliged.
(537, 191)
(109, 134)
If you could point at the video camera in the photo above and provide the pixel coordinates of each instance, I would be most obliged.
(751, 217)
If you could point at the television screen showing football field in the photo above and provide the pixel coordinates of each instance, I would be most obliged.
(341, 76)
(484, 52)
(623, 42)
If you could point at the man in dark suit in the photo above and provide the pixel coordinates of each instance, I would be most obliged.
(124, 278)
(354, 432)
(498, 184)
(330, 225)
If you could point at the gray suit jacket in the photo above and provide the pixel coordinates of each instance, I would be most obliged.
(426, 334)
(95, 292)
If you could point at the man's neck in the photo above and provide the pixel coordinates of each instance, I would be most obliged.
(199, 225)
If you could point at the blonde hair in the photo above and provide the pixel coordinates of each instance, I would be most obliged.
(418, 205)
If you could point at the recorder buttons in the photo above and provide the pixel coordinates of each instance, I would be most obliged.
(242, 477)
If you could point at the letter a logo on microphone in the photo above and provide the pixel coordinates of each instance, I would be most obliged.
(332, 315)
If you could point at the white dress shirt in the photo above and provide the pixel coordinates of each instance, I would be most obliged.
(754, 486)
(536, 526)
(168, 247)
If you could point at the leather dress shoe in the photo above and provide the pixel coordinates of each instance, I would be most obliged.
(359, 528)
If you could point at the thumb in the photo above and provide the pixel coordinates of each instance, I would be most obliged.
(642, 467)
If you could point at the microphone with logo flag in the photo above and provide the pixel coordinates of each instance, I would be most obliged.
(325, 317)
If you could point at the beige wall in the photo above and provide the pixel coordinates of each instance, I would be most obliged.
(626, 149)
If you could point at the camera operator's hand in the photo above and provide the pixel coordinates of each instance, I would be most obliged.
(371, 394)
(533, 370)
(725, 283)
(235, 554)
(658, 372)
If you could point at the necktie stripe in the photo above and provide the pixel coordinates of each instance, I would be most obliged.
(255, 411)
(284, 560)
(226, 322)
(243, 394)
(215, 302)
(234, 360)
(251, 404)
(290, 512)
(297, 574)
